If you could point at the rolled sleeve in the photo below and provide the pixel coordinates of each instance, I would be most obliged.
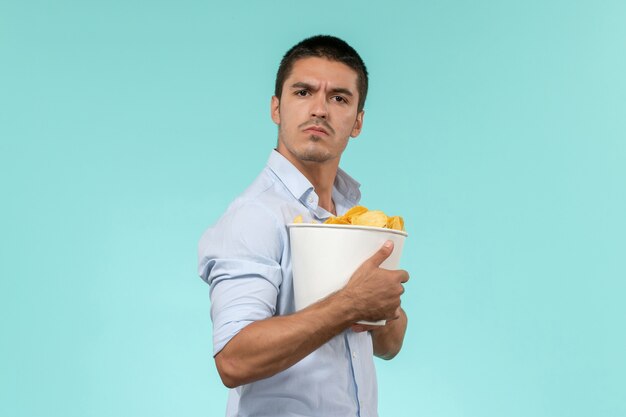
(240, 259)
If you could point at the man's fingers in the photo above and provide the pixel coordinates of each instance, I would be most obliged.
(358, 328)
(381, 254)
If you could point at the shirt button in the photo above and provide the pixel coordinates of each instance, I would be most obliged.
(353, 355)
(310, 200)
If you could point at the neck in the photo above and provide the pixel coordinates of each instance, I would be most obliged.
(321, 175)
(322, 178)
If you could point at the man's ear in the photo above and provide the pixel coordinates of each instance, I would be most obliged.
(275, 110)
(358, 124)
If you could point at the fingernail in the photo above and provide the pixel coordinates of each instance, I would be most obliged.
(388, 244)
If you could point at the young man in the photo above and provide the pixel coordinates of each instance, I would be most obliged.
(317, 361)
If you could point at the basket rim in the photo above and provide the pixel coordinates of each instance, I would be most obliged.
(347, 227)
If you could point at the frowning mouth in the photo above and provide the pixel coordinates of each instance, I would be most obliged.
(316, 129)
(317, 126)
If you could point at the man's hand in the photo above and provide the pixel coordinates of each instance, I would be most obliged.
(387, 340)
(374, 293)
(359, 328)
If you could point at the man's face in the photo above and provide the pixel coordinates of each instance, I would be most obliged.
(317, 111)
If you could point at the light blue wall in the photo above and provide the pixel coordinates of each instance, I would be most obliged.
(497, 129)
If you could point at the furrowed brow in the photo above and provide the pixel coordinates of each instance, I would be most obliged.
(302, 85)
(343, 91)
(307, 86)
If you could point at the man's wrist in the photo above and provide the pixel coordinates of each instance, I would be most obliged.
(343, 308)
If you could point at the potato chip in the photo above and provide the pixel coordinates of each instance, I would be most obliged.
(354, 211)
(361, 216)
(375, 218)
(337, 220)
(395, 222)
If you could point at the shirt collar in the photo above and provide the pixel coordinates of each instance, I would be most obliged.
(299, 185)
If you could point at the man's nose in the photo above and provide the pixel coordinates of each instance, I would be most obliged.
(318, 107)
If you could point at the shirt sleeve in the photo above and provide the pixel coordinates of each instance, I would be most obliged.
(240, 259)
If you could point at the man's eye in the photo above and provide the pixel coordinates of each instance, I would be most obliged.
(339, 99)
(302, 93)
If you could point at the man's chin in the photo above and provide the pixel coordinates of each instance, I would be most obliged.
(314, 156)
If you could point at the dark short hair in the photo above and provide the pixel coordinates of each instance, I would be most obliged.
(329, 47)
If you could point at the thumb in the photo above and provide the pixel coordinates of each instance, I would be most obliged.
(381, 254)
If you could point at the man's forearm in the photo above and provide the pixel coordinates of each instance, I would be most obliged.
(388, 339)
(266, 347)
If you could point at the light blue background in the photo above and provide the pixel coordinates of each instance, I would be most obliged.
(497, 129)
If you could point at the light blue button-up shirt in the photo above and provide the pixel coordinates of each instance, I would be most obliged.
(246, 260)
